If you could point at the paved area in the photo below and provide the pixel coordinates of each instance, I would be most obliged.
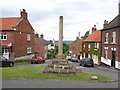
(22, 83)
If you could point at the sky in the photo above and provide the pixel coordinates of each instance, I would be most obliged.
(78, 15)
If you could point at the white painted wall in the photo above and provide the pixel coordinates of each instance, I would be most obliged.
(106, 61)
(24, 57)
(117, 64)
(95, 59)
(88, 55)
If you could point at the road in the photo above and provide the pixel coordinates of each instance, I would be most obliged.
(23, 83)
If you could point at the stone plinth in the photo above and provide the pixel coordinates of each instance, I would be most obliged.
(59, 57)
(61, 67)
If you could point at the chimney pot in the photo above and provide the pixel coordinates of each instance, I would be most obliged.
(37, 35)
(23, 14)
(77, 38)
(42, 36)
(105, 24)
(94, 28)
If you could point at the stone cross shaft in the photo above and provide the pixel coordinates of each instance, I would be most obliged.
(60, 43)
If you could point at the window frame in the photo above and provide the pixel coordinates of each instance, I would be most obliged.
(28, 37)
(106, 54)
(106, 38)
(29, 50)
(113, 40)
(3, 35)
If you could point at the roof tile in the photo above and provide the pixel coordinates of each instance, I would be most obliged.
(8, 23)
(94, 37)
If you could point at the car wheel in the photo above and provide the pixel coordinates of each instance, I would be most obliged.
(32, 63)
(43, 61)
(11, 64)
(83, 65)
(92, 65)
(36, 62)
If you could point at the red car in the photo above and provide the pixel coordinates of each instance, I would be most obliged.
(37, 60)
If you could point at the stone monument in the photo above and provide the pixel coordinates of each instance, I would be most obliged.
(60, 43)
(61, 65)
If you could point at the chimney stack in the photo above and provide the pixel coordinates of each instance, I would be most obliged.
(94, 28)
(23, 14)
(41, 36)
(105, 24)
(77, 38)
(37, 35)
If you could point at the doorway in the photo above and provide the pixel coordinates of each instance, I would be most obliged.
(113, 59)
(5, 52)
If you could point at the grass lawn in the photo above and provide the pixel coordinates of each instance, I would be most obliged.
(35, 72)
(23, 61)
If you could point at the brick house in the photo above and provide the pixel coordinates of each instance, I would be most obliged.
(111, 42)
(92, 46)
(41, 46)
(17, 36)
(75, 48)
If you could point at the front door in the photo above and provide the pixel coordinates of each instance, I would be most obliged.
(113, 59)
(5, 52)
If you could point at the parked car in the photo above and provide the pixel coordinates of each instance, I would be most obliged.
(87, 62)
(68, 57)
(5, 62)
(74, 59)
(37, 60)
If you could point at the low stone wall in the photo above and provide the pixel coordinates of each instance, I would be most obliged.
(24, 57)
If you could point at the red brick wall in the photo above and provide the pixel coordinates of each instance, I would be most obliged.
(21, 43)
(76, 47)
(40, 48)
(109, 45)
(19, 38)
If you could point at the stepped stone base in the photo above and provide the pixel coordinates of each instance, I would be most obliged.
(61, 67)
(59, 57)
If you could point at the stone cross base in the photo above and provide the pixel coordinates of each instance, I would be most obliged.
(59, 57)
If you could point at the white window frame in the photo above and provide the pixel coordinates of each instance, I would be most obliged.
(106, 38)
(46, 47)
(106, 53)
(29, 49)
(28, 37)
(113, 37)
(97, 45)
(4, 35)
(89, 46)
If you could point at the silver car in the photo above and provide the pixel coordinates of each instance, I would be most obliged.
(74, 59)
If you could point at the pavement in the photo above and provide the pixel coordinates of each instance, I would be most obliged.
(107, 68)
(23, 83)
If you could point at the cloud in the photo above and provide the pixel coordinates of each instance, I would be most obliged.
(79, 15)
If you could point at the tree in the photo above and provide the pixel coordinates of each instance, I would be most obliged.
(86, 35)
(65, 49)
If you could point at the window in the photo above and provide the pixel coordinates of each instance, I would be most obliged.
(46, 47)
(96, 45)
(113, 37)
(29, 49)
(89, 46)
(3, 36)
(28, 37)
(105, 53)
(106, 38)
